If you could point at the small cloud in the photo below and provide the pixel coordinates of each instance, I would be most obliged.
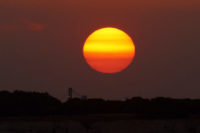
(30, 25)
(23, 24)
(35, 27)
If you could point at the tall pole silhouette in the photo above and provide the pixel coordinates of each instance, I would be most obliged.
(70, 93)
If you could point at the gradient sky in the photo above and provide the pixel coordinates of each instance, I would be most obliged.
(41, 47)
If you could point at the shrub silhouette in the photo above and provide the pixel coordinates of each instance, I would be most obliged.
(27, 103)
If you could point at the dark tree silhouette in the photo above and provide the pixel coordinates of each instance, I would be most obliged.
(27, 103)
(21, 103)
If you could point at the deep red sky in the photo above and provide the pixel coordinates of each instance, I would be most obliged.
(41, 47)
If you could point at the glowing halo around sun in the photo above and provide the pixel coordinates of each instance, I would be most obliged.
(109, 50)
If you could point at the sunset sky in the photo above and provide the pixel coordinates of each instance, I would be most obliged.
(41, 45)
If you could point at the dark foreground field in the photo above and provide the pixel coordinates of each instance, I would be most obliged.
(121, 123)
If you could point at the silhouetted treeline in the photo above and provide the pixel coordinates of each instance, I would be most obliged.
(27, 103)
(21, 103)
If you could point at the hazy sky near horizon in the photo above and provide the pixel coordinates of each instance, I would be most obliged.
(41, 47)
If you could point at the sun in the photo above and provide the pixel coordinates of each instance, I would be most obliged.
(109, 50)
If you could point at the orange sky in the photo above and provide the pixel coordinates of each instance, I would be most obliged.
(41, 46)
(103, 4)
